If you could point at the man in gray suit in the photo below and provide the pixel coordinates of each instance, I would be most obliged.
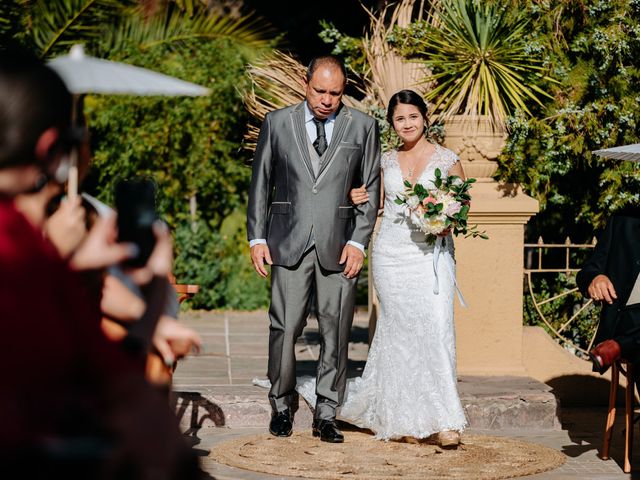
(300, 221)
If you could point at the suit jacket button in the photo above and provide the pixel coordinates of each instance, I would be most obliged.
(315, 190)
(637, 262)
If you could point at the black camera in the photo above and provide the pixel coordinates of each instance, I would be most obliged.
(135, 203)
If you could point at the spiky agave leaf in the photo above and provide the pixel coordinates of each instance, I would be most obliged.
(478, 55)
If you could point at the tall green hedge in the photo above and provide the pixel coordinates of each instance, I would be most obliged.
(189, 146)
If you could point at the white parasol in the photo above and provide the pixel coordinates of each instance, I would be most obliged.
(85, 74)
(626, 152)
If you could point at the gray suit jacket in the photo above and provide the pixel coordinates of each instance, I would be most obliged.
(286, 199)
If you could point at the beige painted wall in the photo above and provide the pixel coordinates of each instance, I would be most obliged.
(572, 380)
(489, 331)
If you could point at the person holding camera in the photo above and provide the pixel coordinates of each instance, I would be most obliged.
(72, 401)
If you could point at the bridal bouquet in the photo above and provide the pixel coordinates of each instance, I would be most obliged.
(445, 207)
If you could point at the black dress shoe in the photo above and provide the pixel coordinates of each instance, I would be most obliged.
(327, 431)
(281, 423)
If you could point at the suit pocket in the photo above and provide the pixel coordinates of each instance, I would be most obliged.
(281, 208)
(346, 212)
(349, 146)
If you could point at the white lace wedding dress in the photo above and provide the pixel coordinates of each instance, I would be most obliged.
(409, 384)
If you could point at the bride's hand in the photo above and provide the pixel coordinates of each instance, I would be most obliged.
(358, 196)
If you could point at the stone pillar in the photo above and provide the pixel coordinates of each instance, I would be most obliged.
(490, 272)
(489, 331)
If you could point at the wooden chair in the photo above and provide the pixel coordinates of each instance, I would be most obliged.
(626, 369)
(183, 290)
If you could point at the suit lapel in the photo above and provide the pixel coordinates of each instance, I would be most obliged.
(342, 122)
(300, 134)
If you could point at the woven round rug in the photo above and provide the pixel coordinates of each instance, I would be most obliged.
(362, 457)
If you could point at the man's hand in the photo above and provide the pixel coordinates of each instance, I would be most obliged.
(358, 196)
(354, 259)
(259, 255)
(601, 288)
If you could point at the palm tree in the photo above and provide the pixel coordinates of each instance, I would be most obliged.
(106, 26)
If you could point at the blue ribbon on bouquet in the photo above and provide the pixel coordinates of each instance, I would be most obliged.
(437, 250)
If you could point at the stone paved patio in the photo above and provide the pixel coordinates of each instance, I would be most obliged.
(216, 401)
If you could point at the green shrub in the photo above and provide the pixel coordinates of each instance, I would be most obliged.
(221, 265)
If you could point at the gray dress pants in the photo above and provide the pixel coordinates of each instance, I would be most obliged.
(334, 294)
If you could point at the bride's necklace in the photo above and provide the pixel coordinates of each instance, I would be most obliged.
(412, 168)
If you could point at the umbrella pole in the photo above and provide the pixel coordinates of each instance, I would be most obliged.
(72, 186)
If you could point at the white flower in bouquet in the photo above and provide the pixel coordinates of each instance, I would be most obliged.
(412, 201)
(452, 208)
(434, 225)
(445, 199)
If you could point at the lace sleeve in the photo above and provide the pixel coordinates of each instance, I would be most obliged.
(447, 160)
(385, 159)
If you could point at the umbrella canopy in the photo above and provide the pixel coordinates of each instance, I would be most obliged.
(626, 152)
(84, 74)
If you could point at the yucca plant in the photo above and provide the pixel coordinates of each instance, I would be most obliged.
(478, 53)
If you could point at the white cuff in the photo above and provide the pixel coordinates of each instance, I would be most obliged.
(359, 246)
(257, 241)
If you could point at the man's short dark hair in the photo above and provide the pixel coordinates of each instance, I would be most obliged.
(326, 61)
(33, 99)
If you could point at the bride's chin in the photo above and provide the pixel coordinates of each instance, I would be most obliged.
(409, 138)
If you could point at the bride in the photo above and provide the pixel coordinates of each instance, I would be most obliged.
(408, 389)
(409, 386)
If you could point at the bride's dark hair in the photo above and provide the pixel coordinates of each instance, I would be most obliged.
(406, 97)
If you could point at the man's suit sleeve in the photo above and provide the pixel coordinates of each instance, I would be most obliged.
(260, 188)
(597, 262)
(367, 213)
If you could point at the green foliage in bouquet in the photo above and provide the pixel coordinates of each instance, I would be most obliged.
(431, 206)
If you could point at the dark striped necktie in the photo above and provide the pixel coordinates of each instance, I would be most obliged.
(320, 143)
